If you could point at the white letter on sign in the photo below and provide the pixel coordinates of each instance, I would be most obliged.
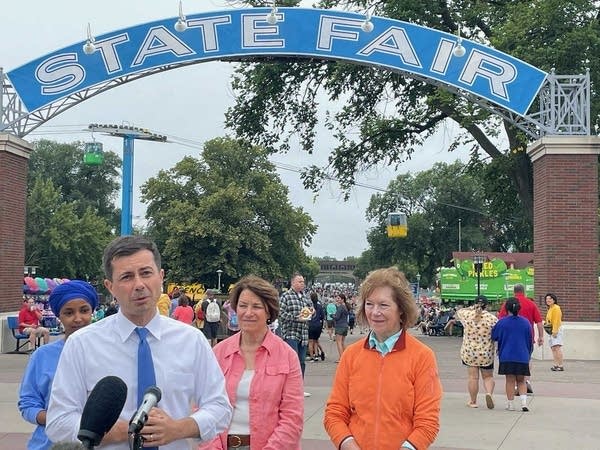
(498, 72)
(393, 41)
(108, 51)
(59, 73)
(254, 35)
(160, 40)
(208, 29)
(330, 30)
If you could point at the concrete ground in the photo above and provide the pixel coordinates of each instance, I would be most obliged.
(564, 408)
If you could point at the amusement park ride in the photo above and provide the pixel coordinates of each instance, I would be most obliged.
(397, 225)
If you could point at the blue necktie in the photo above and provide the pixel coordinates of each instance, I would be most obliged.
(146, 377)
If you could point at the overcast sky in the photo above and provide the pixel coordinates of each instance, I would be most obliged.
(186, 104)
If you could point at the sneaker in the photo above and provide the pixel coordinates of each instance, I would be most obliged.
(510, 407)
(557, 369)
(322, 356)
(529, 388)
(316, 359)
(307, 394)
(489, 401)
(524, 408)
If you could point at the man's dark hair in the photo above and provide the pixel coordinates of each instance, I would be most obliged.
(294, 275)
(127, 246)
(519, 288)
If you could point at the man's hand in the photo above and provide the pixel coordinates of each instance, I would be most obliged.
(118, 433)
(161, 429)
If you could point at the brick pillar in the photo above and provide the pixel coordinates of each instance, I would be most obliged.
(14, 156)
(565, 223)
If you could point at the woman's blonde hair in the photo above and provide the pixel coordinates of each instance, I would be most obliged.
(402, 294)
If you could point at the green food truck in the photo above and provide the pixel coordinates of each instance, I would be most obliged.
(496, 281)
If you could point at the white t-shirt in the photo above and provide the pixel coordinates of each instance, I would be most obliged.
(240, 424)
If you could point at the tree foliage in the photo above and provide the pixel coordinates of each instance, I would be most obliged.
(70, 210)
(226, 210)
(86, 186)
(60, 240)
(435, 201)
(386, 117)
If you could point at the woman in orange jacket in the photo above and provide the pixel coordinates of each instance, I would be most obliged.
(386, 393)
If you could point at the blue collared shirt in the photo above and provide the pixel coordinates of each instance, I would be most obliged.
(386, 346)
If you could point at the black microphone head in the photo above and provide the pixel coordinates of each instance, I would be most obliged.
(102, 409)
(154, 391)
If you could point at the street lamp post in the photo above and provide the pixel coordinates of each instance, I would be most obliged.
(459, 235)
(478, 259)
(418, 286)
(219, 272)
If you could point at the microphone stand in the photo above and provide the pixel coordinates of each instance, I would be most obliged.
(136, 441)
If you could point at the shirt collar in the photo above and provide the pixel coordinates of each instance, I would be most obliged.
(269, 343)
(386, 346)
(125, 328)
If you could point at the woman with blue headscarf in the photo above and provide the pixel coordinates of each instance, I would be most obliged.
(73, 302)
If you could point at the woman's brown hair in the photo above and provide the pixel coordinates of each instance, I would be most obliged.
(402, 294)
(262, 288)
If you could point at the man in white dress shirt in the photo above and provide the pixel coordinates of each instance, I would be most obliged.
(194, 402)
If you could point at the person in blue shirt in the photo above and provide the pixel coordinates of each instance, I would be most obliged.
(73, 302)
(513, 334)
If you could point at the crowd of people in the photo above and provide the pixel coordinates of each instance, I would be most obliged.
(245, 390)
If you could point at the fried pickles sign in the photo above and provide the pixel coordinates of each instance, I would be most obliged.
(496, 280)
(299, 32)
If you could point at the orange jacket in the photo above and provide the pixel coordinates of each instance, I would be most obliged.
(385, 400)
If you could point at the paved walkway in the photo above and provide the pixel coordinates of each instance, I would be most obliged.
(564, 408)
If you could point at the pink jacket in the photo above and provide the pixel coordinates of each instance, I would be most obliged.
(276, 393)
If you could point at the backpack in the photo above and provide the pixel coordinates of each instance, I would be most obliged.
(213, 312)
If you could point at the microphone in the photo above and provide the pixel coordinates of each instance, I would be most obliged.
(101, 410)
(151, 398)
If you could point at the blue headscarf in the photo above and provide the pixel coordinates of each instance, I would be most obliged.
(70, 290)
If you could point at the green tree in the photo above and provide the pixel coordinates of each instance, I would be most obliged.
(384, 116)
(433, 201)
(93, 187)
(227, 210)
(59, 240)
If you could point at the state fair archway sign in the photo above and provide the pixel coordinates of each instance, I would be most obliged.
(503, 84)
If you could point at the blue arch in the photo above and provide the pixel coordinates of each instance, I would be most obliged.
(395, 45)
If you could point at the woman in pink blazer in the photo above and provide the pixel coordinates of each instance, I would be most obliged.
(262, 375)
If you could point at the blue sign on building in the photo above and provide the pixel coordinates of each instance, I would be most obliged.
(299, 32)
